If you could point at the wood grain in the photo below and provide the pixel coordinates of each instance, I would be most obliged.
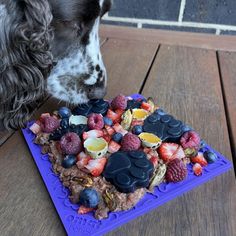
(198, 40)
(186, 82)
(227, 62)
(127, 64)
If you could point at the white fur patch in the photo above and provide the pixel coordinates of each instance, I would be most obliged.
(75, 65)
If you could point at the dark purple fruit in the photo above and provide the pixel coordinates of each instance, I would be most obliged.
(69, 161)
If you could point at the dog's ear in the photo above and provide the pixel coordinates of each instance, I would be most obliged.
(25, 58)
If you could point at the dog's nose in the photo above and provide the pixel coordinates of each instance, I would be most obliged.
(96, 93)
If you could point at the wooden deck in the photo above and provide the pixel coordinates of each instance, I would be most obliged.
(193, 76)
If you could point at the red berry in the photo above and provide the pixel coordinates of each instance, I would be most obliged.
(170, 151)
(119, 102)
(200, 159)
(96, 166)
(191, 140)
(113, 147)
(176, 171)
(71, 144)
(49, 124)
(197, 169)
(95, 121)
(84, 210)
(130, 142)
(113, 116)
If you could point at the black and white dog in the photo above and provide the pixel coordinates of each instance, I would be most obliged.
(49, 45)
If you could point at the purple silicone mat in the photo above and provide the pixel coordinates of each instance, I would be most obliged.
(87, 225)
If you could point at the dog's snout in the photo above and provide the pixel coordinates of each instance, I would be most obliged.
(96, 93)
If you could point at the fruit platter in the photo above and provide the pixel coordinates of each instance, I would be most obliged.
(107, 162)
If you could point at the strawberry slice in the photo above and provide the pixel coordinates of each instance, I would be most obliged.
(119, 112)
(152, 156)
(113, 116)
(170, 151)
(92, 134)
(154, 161)
(110, 130)
(96, 166)
(200, 159)
(113, 147)
(119, 129)
(106, 136)
(146, 150)
(82, 160)
(35, 128)
(84, 210)
(146, 106)
(197, 169)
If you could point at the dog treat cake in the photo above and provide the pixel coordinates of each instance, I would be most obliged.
(110, 154)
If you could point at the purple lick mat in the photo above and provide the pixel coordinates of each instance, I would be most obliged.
(87, 225)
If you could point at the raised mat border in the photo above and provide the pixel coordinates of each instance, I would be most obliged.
(87, 225)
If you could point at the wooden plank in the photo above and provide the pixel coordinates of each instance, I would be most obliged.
(127, 64)
(24, 172)
(227, 61)
(4, 135)
(199, 40)
(185, 81)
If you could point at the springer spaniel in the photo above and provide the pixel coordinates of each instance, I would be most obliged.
(53, 39)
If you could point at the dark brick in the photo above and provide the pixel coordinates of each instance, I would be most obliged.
(109, 22)
(211, 11)
(146, 9)
(228, 32)
(179, 28)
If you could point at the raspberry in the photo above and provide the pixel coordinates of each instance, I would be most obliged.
(95, 121)
(49, 124)
(190, 140)
(71, 144)
(119, 102)
(176, 171)
(130, 142)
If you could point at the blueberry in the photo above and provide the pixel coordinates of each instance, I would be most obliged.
(160, 112)
(56, 135)
(89, 198)
(137, 129)
(117, 137)
(203, 143)
(78, 129)
(107, 121)
(69, 161)
(64, 112)
(64, 123)
(210, 157)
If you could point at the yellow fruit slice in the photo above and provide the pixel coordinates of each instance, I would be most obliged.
(96, 147)
(126, 120)
(139, 114)
(150, 140)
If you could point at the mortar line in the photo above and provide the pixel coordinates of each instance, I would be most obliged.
(218, 31)
(172, 23)
(181, 11)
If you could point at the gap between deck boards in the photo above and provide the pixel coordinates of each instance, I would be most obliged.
(229, 126)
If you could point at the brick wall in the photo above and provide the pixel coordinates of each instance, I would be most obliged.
(208, 16)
